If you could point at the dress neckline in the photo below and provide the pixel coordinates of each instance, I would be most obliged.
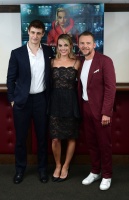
(65, 67)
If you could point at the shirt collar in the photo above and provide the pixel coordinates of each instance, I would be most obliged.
(29, 50)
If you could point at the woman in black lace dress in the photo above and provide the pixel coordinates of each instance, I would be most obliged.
(64, 110)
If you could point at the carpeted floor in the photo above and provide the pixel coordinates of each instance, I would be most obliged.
(72, 189)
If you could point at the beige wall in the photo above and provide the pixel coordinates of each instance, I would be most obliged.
(10, 38)
(116, 42)
(116, 45)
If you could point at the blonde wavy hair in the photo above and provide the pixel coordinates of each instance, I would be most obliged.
(67, 39)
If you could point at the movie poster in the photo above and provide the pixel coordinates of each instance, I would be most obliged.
(72, 19)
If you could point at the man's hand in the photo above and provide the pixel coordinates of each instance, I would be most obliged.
(105, 120)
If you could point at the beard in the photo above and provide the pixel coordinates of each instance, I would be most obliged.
(86, 54)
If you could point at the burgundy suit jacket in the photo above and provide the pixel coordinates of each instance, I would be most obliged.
(101, 86)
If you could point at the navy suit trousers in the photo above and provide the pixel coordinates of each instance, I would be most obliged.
(34, 109)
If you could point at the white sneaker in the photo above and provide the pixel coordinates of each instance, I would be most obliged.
(105, 184)
(91, 178)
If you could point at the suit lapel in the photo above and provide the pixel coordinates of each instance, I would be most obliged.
(45, 53)
(80, 69)
(92, 69)
(45, 59)
(25, 56)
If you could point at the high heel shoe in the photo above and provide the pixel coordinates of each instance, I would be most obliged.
(63, 179)
(54, 179)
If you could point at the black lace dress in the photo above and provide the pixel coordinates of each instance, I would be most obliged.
(64, 109)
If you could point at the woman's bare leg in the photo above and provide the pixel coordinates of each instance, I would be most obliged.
(69, 155)
(56, 148)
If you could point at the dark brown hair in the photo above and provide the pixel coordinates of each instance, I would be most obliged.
(37, 24)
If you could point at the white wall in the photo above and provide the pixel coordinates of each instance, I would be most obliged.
(10, 38)
(116, 42)
(116, 45)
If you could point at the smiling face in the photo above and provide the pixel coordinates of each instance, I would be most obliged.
(61, 18)
(63, 47)
(87, 45)
(35, 35)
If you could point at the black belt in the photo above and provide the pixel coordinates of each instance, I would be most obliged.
(36, 94)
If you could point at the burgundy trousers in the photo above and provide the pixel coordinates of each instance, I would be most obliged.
(99, 143)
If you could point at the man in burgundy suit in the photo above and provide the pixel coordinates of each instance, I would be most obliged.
(96, 89)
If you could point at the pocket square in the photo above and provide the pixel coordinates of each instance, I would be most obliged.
(96, 71)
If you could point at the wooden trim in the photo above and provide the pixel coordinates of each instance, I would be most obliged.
(122, 86)
(109, 7)
(3, 88)
(119, 87)
(77, 159)
(9, 8)
(117, 7)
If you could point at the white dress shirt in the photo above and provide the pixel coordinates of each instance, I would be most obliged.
(84, 78)
(37, 67)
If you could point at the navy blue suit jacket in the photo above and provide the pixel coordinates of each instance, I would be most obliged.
(19, 74)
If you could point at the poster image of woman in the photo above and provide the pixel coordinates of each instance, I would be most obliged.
(63, 24)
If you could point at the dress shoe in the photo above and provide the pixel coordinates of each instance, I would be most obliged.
(105, 184)
(18, 178)
(43, 177)
(64, 179)
(55, 179)
(57, 176)
(91, 178)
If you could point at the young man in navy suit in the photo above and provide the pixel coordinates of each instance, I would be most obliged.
(28, 83)
(96, 88)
